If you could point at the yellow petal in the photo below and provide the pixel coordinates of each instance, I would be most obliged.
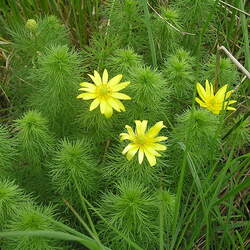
(208, 90)
(160, 138)
(130, 131)
(211, 89)
(150, 157)
(88, 85)
(221, 94)
(202, 104)
(103, 106)
(228, 94)
(153, 131)
(87, 96)
(87, 90)
(201, 91)
(115, 80)
(231, 108)
(96, 78)
(116, 104)
(120, 86)
(127, 148)
(152, 151)
(131, 152)
(230, 102)
(159, 147)
(106, 109)
(141, 127)
(216, 111)
(125, 136)
(120, 96)
(140, 155)
(94, 104)
(105, 76)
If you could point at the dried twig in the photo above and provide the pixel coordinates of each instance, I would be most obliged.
(235, 61)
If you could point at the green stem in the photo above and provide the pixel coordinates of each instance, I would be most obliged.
(245, 35)
(150, 34)
(236, 125)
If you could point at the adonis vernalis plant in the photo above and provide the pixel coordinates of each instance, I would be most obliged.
(144, 142)
(214, 102)
(82, 168)
(105, 93)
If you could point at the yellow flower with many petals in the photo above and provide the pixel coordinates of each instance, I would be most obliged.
(145, 142)
(105, 93)
(214, 102)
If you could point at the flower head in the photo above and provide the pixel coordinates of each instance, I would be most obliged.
(105, 93)
(214, 102)
(144, 142)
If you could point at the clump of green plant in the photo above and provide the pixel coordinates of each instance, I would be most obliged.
(223, 71)
(150, 95)
(73, 163)
(31, 217)
(102, 48)
(8, 151)
(166, 31)
(131, 209)
(195, 128)
(126, 19)
(34, 137)
(12, 198)
(30, 42)
(123, 61)
(58, 76)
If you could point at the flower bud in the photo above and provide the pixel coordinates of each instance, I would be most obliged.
(31, 24)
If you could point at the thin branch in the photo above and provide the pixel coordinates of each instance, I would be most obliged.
(231, 6)
(171, 25)
(235, 61)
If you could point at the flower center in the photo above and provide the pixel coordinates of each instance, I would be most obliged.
(212, 102)
(140, 140)
(103, 90)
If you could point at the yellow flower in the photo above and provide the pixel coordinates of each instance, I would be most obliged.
(214, 102)
(144, 142)
(105, 93)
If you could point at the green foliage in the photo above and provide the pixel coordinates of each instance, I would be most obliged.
(102, 47)
(73, 161)
(8, 150)
(195, 196)
(29, 46)
(179, 72)
(12, 198)
(28, 218)
(131, 209)
(240, 136)
(29, 42)
(195, 128)
(93, 123)
(165, 34)
(166, 203)
(198, 16)
(34, 137)
(118, 167)
(123, 61)
(126, 19)
(58, 76)
(149, 95)
(227, 71)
